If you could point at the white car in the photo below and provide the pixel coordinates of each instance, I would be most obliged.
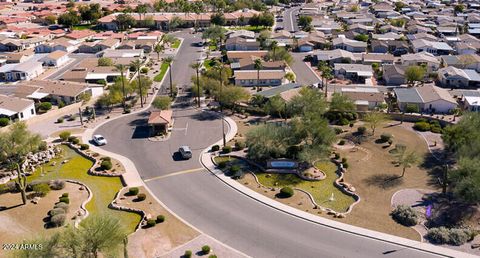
(99, 140)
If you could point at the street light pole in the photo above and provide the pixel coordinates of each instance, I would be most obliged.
(221, 107)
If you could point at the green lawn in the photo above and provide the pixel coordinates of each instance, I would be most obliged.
(82, 27)
(250, 28)
(161, 74)
(176, 44)
(103, 188)
(320, 190)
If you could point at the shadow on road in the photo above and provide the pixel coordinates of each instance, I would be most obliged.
(141, 132)
(204, 116)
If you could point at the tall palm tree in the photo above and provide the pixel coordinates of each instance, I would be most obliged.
(159, 48)
(121, 69)
(197, 66)
(326, 71)
(137, 64)
(258, 66)
(273, 47)
(406, 159)
(220, 67)
(169, 61)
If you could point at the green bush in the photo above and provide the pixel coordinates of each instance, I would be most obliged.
(144, 70)
(440, 235)
(215, 148)
(343, 121)
(222, 165)
(212, 256)
(151, 223)
(65, 200)
(459, 236)
(240, 145)
(345, 165)
(106, 165)
(286, 192)
(227, 149)
(336, 156)
(71, 138)
(56, 211)
(60, 120)
(84, 146)
(141, 197)
(58, 220)
(64, 135)
(385, 137)
(4, 121)
(341, 142)
(337, 130)
(422, 126)
(61, 205)
(65, 195)
(160, 218)
(436, 129)
(362, 130)
(41, 189)
(187, 254)
(45, 106)
(57, 184)
(206, 249)
(106, 159)
(43, 146)
(405, 215)
(133, 191)
(344, 160)
(75, 140)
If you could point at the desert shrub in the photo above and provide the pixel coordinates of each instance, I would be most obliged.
(64, 135)
(336, 156)
(61, 205)
(75, 140)
(215, 148)
(4, 121)
(385, 137)
(106, 165)
(286, 192)
(345, 165)
(362, 130)
(45, 106)
(141, 197)
(8, 188)
(206, 249)
(222, 165)
(160, 218)
(41, 189)
(459, 236)
(84, 146)
(343, 121)
(43, 146)
(436, 129)
(65, 195)
(57, 184)
(144, 70)
(405, 215)
(58, 220)
(151, 223)
(212, 256)
(440, 235)
(133, 191)
(71, 138)
(187, 254)
(60, 120)
(341, 142)
(422, 126)
(65, 200)
(337, 130)
(234, 169)
(56, 211)
(344, 160)
(106, 159)
(227, 149)
(239, 145)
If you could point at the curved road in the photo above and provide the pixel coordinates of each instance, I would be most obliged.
(218, 210)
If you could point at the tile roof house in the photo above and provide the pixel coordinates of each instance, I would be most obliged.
(431, 62)
(393, 75)
(364, 98)
(235, 56)
(63, 44)
(354, 46)
(428, 98)
(22, 71)
(16, 108)
(333, 56)
(395, 47)
(433, 47)
(56, 58)
(355, 72)
(458, 78)
(469, 61)
(241, 44)
(267, 77)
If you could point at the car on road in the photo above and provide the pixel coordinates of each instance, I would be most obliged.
(278, 28)
(185, 152)
(99, 140)
(200, 44)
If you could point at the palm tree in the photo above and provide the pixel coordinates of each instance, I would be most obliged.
(197, 66)
(258, 66)
(136, 65)
(326, 71)
(169, 61)
(121, 69)
(273, 47)
(159, 48)
(220, 67)
(406, 159)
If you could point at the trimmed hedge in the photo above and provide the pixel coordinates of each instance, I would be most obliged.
(4, 121)
(160, 218)
(106, 165)
(45, 106)
(286, 192)
(206, 249)
(133, 191)
(151, 223)
(141, 197)
(227, 149)
(65, 200)
(422, 126)
(362, 130)
(215, 148)
(187, 254)
(61, 205)
(56, 211)
(453, 236)
(84, 146)
(64, 135)
(385, 137)
(58, 220)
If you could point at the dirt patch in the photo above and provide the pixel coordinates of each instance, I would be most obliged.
(163, 237)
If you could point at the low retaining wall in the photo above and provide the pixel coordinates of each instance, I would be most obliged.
(341, 171)
(113, 205)
(82, 206)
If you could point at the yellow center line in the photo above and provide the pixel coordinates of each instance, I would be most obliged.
(174, 174)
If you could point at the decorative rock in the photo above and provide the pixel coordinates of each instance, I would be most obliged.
(340, 215)
(35, 200)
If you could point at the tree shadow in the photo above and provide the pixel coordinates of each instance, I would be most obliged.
(141, 132)
(384, 181)
(448, 211)
(4, 208)
(204, 116)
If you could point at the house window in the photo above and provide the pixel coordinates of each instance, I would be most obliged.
(32, 111)
(21, 115)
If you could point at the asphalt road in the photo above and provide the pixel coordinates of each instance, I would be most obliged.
(290, 20)
(305, 76)
(215, 208)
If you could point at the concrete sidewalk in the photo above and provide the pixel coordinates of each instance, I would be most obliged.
(206, 160)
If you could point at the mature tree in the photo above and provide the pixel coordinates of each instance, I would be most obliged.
(141, 9)
(136, 65)
(69, 19)
(290, 76)
(142, 85)
(90, 13)
(326, 74)
(160, 5)
(361, 37)
(218, 19)
(309, 102)
(374, 119)
(414, 74)
(231, 95)
(162, 102)
(124, 21)
(121, 68)
(105, 61)
(169, 61)
(263, 36)
(159, 48)
(215, 34)
(51, 19)
(304, 21)
(459, 8)
(280, 54)
(15, 144)
(406, 159)
(196, 67)
(341, 103)
(273, 46)
(176, 22)
(275, 106)
(257, 64)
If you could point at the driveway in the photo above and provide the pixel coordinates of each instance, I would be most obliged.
(305, 75)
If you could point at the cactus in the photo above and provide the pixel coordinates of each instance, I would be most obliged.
(21, 183)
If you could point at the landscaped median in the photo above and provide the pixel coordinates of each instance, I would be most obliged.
(161, 74)
(176, 43)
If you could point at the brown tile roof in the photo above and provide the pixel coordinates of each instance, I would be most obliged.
(368, 96)
(57, 54)
(160, 117)
(58, 88)
(246, 54)
(264, 75)
(14, 104)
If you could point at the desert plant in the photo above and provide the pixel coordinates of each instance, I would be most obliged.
(227, 149)
(151, 223)
(385, 137)
(160, 218)
(61, 205)
(336, 156)
(65, 200)
(212, 256)
(4, 121)
(41, 189)
(337, 130)
(341, 142)
(206, 249)
(65, 195)
(459, 236)
(58, 220)
(56, 211)
(286, 192)
(362, 130)
(45, 106)
(64, 135)
(133, 191)
(215, 148)
(106, 158)
(187, 254)
(440, 235)
(57, 184)
(344, 160)
(84, 146)
(422, 126)
(60, 120)
(106, 165)
(345, 165)
(239, 145)
(405, 215)
(222, 165)
(141, 197)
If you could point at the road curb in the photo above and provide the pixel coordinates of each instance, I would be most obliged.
(205, 159)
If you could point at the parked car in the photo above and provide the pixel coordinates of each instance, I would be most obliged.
(99, 140)
(278, 28)
(185, 152)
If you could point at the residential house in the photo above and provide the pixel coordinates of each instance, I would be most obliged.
(334, 56)
(304, 45)
(249, 64)
(285, 91)
(361, 28)
(377, 58)
(387, 36)
(395, 47)
(428, 98)
(366, 98)
(358, 73)
(283, 38)
(267, 77)
(430, 62)
(18, 57)
(56, 58)
(432, 47)
(241, 44)
(468, 61)
(63, 44)
(10, 45)
(246, 34)
(235, 56)
(116, 53)
(80, 35)
(452, 77)
(15, 108)
(21, 71)
(354, 46)
(146, 44)
(471, 103)
(56, 91)
(393, 74)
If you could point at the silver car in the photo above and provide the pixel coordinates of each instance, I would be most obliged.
(185, 152)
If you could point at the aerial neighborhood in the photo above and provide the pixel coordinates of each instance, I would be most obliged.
(239, 128)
